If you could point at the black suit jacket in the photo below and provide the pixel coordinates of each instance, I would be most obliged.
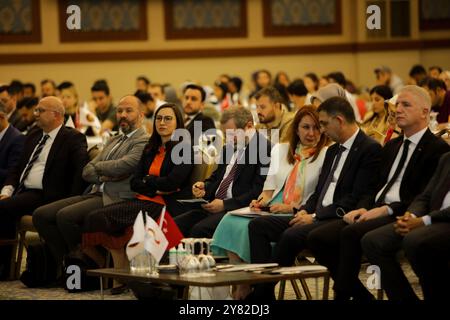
(11, 147)
(430, 200)
(418, 172)
(249, 177)
(65, 162)
(356, 180)
(16, 121)
(206, 122)
(174, 177)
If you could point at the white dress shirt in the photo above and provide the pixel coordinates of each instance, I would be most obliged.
(238, 155)
(393, 195)
(328, 198)
(445, 204)
(34, 178)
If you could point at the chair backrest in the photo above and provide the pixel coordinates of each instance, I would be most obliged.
(204, 166)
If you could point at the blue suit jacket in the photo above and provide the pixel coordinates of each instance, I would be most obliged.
(11, 147)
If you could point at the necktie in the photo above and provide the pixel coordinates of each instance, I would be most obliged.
(116, 147)
(400, 165)
(32, 160)
(187, 119)
(328, 180)
(225, 184)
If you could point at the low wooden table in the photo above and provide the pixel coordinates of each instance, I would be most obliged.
(219, 278)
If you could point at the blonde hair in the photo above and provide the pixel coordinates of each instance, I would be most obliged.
(421, 95)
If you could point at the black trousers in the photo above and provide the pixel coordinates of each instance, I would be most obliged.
(336, 245)
(428, 251)
(198, 223)
(289, 242)
(11, 210)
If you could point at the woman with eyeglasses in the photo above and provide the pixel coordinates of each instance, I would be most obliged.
(293, 174)
(375, 123)
(158, 182)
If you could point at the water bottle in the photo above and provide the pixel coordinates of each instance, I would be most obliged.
(173, 256)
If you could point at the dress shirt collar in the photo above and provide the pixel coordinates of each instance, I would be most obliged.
(415, 138)
(348, 144)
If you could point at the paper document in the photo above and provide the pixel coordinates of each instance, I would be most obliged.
(200, 201)
(248, 212)
(249, 267)
(299, 269)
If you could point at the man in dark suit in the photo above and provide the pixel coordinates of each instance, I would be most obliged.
(8, 95)
(423, 232)
(407, 164)
(50, 169)
(238, 179)
(11, 145)
(195, 121)
(347, 175)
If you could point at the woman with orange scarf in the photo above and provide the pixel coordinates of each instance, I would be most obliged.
(293, 175)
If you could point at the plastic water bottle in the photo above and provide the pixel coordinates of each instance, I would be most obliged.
(173, 256)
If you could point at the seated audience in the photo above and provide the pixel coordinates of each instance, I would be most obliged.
(440, 98)
(294, 170)
(9, 97)
(105, 110)
(60, 223)
(238, 179)
(297, 94)
(423, 234)
(48, 88)
(26, 108)
(158, 181)
(11, 145)
(375, 123)
(49, 169)
(385, 77)
(346, 177)
(272, 117)
(337, 244)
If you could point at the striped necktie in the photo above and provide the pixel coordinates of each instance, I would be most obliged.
(29, 166)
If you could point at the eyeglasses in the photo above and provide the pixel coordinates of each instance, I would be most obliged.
(165, 118)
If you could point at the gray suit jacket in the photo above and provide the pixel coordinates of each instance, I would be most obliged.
(430, 200)
(122, 165)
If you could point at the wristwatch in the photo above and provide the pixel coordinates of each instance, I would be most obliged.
(314, 219)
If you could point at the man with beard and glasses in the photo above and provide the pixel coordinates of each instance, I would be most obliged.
(59, 223)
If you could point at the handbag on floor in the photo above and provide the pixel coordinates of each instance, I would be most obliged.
(40, 268)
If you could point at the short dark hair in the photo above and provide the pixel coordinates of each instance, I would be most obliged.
(416, 70)
(338, 106)
(143, 78)
(31, 86)
(64, 85)
(101, 85)
(271, 92)
(383, 91)
(237, 83)
(27, 103)
(297, 88)
(15, 87)
(338, 77)
(432, 83)
(196, 87)
(143, 96)
(435, 67)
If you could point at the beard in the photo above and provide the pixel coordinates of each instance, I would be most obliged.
(127, 129)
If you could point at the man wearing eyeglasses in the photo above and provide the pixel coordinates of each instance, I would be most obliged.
(49, 169)
(59, 223)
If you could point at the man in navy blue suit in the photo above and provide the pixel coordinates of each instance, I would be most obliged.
(11, 144)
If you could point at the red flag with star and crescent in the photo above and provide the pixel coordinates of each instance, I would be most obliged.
(170, 229)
